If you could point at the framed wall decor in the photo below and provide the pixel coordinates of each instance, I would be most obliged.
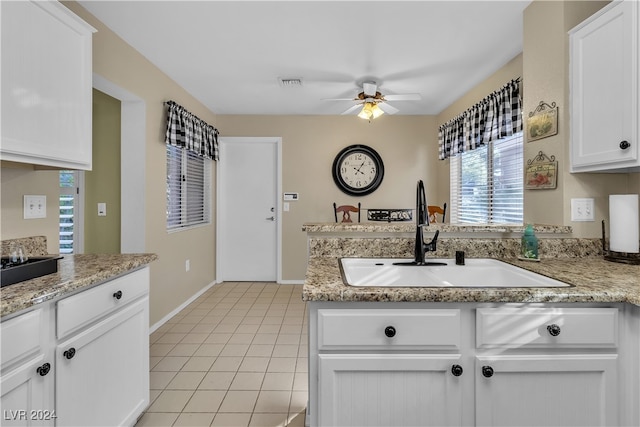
(541, 173)
(542, 122)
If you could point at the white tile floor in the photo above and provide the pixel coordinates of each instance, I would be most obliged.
(237, 356)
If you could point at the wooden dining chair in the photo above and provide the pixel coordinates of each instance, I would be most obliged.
(434, 211)
(346, 212)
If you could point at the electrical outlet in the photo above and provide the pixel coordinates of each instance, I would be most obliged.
(35, 207)
(582, 210)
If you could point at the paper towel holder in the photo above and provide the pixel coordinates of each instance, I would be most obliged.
(623, 257)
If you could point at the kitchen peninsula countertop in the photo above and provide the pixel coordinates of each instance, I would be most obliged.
(75, 272)
(593, 278)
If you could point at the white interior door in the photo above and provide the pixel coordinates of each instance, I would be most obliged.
(248, 209)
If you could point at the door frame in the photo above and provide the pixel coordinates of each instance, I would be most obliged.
(132, 165)
(221, 198)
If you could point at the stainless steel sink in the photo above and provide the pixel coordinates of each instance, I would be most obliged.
(441, 273)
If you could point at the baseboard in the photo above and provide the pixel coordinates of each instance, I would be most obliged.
(166, 318)
(291, 282)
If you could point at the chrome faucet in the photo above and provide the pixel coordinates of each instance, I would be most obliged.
(422, 220)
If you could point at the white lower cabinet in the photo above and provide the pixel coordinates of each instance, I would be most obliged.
(545, 390)
(79, 361)
(389, 390)
(27, 370)
(24, 392)
(471, 364)
(547, 366)
(102, 375)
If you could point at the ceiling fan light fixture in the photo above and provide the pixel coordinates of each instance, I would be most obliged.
(366, 112)
(370, 111)
(376, 111)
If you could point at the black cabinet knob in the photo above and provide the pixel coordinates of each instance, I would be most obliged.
(487, 371)
(44, 369)
(69, 353)
(554, 330)
(117, 295)
(624, 145)
(390, 331)
(456, 370)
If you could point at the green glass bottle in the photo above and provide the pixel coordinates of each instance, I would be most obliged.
(529, 242)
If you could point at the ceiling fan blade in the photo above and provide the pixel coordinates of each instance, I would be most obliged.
(404, 97)
(369, 89)
(352, 109)
(387, 108)
(339, 99)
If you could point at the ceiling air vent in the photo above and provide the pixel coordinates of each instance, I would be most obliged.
(290, 82)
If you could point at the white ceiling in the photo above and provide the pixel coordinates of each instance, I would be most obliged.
(230, 54)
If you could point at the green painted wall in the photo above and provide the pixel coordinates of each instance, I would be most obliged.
(102, 184)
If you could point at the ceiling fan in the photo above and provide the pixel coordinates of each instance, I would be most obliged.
(373, 104)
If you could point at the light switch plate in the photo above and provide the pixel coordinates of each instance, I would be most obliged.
(582, 210)
(35, 207)
(102, 209)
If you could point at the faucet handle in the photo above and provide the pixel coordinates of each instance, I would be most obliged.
(431, 246)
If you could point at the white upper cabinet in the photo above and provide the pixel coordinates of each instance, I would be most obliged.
(604, 90)
(46, 85)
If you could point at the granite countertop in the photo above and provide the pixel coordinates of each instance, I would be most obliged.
(75, 272)
(594, 280)
(410, 227)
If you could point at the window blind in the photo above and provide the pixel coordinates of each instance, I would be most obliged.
(487, 183)
(188, 188)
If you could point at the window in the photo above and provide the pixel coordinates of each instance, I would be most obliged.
(188, 189)
(70, 216)
(487, 183)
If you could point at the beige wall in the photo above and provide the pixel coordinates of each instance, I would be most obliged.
(102, 183)
(120, 64)
(546, 78)
(406, 144)
(17, 180)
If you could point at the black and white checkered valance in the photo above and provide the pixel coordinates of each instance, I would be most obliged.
(497, 116)
(186, 130)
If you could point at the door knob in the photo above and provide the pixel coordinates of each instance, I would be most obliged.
(624, 145)
(69, 353)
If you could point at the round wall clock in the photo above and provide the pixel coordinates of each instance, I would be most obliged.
(358, 170)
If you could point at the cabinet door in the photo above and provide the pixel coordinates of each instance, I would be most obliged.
(389, 390)
(562, 390)
(104, 380)
(23, 395)
(604, 90)
(46, 85)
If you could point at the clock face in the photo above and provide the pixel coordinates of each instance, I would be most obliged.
(358, 170)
